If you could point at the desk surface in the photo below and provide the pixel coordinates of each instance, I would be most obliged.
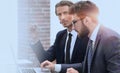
(33, 70)
(39, 70)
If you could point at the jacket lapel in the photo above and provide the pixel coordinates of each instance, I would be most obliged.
(96, 44)
(63, 41)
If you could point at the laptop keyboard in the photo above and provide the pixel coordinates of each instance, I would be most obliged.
(28, 71)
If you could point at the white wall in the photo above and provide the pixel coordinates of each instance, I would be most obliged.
(8, 35)
(109, 16)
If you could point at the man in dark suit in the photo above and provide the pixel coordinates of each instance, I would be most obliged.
(103, 50)
(64, 54)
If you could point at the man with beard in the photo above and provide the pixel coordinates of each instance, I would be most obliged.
(68, 48)
(103, 50)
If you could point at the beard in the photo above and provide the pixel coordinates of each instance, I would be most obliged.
(84, 31)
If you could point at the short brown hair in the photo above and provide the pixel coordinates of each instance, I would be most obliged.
(81, 8)
(63, 3)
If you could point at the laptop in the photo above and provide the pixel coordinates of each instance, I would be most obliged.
(38, 50)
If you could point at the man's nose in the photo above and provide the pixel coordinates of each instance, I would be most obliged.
(62, 17)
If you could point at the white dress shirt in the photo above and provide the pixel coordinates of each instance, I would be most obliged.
(94, 34)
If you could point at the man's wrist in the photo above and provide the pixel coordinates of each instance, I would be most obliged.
(53, 68)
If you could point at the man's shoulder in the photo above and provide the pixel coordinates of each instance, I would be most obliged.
(62, 32)
(107, 32)
(108, 36)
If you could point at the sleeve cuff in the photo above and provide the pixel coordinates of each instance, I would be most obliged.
(57, 67)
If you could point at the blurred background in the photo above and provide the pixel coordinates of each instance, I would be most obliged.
(23, 22)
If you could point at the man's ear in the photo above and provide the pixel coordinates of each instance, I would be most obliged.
(86, 20)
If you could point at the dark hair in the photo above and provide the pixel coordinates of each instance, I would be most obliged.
(63, 3)
(81, 8)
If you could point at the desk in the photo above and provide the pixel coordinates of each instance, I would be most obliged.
(33, 70)
(26, 66)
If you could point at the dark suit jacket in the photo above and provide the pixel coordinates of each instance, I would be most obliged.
(106, 56)
(56, 51)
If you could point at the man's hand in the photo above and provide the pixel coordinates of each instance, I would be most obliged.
(71, 70)
(48, 64)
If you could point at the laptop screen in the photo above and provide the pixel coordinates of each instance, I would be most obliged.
(38, 50)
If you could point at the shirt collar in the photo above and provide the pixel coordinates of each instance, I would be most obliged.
(73, 32)
(94, 34)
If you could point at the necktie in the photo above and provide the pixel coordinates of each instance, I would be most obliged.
(67, 61)
(90, 52)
